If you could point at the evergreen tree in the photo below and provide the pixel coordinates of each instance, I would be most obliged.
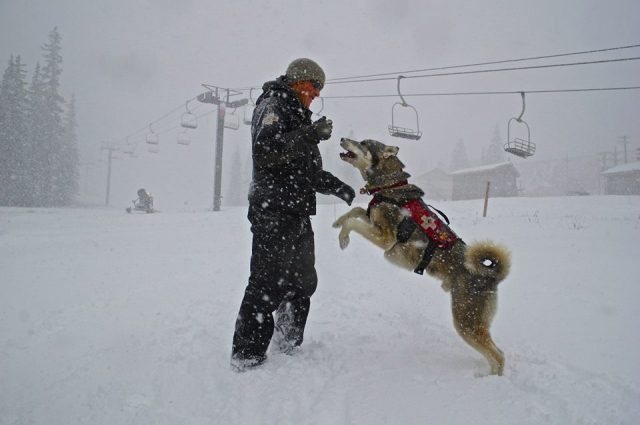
(459, 158)
(14, 147)
(5, 147)
(52, 120)
(38, 146)
(38, 165)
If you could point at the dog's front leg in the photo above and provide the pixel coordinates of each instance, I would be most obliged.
(348, 222)
(356, 212)
(359, 222)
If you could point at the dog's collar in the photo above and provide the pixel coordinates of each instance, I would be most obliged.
(371, 191)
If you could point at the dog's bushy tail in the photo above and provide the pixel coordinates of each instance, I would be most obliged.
(488, 259)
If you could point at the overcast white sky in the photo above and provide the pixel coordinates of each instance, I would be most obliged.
(130, 62)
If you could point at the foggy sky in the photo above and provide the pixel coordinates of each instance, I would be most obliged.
(130, 62)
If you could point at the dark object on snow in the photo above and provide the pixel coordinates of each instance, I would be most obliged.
(143, 203)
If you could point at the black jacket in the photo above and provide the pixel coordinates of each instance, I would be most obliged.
(287, 167)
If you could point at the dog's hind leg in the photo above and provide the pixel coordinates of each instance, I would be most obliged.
(472, 314)
(480, 339)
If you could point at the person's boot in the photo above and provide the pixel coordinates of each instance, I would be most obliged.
(242, 364)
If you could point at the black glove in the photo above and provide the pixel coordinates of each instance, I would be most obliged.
(323, 128)
(312, 134)
(346, 193)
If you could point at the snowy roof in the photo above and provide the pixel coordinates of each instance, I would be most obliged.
(483, 168)
(624, 168)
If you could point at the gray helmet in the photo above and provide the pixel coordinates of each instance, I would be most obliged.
(304, 69)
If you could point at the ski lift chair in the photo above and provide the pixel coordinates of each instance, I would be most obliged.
(397, 131)
(247, 116)
(518, 146)
(129, 149)
(188, 120)
(184, 138)
(152, 137)
(232, 121)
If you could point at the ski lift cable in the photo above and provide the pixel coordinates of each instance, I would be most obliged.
(359, 79)
(135, 141)
(440, 68)
(486, 71)
(486, 92)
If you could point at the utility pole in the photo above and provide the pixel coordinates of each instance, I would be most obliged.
(109, 148)
(625, 141)
(219, 96)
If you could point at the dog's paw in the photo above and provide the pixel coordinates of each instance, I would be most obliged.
(343, 239)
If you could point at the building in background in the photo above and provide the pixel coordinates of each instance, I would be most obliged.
(436, 185)
(622, 179)
(561, 177)
(471, 183)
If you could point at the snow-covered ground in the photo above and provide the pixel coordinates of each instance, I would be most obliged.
(110, 318)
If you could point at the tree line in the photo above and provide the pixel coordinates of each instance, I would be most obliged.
(38, 143)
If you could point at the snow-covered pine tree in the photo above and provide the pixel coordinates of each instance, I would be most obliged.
(52, 119)
(5, 147)
(38, 165)
(14, 146)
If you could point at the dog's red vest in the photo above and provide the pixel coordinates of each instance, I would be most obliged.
(430, 223)
(427, 220)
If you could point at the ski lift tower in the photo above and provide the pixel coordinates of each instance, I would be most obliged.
(110, 148)
(220, 96)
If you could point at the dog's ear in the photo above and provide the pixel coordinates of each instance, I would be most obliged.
(390, 151)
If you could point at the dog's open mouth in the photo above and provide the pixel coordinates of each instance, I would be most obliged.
(347, 154)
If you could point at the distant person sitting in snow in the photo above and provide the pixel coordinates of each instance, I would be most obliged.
(145, 198)
(143, 203)
(287, 173)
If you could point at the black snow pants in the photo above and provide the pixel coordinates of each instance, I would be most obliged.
(282, 277)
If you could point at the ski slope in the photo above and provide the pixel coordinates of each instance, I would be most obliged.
(115, 318)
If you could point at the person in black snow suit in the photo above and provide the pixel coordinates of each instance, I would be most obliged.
(287, 173)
